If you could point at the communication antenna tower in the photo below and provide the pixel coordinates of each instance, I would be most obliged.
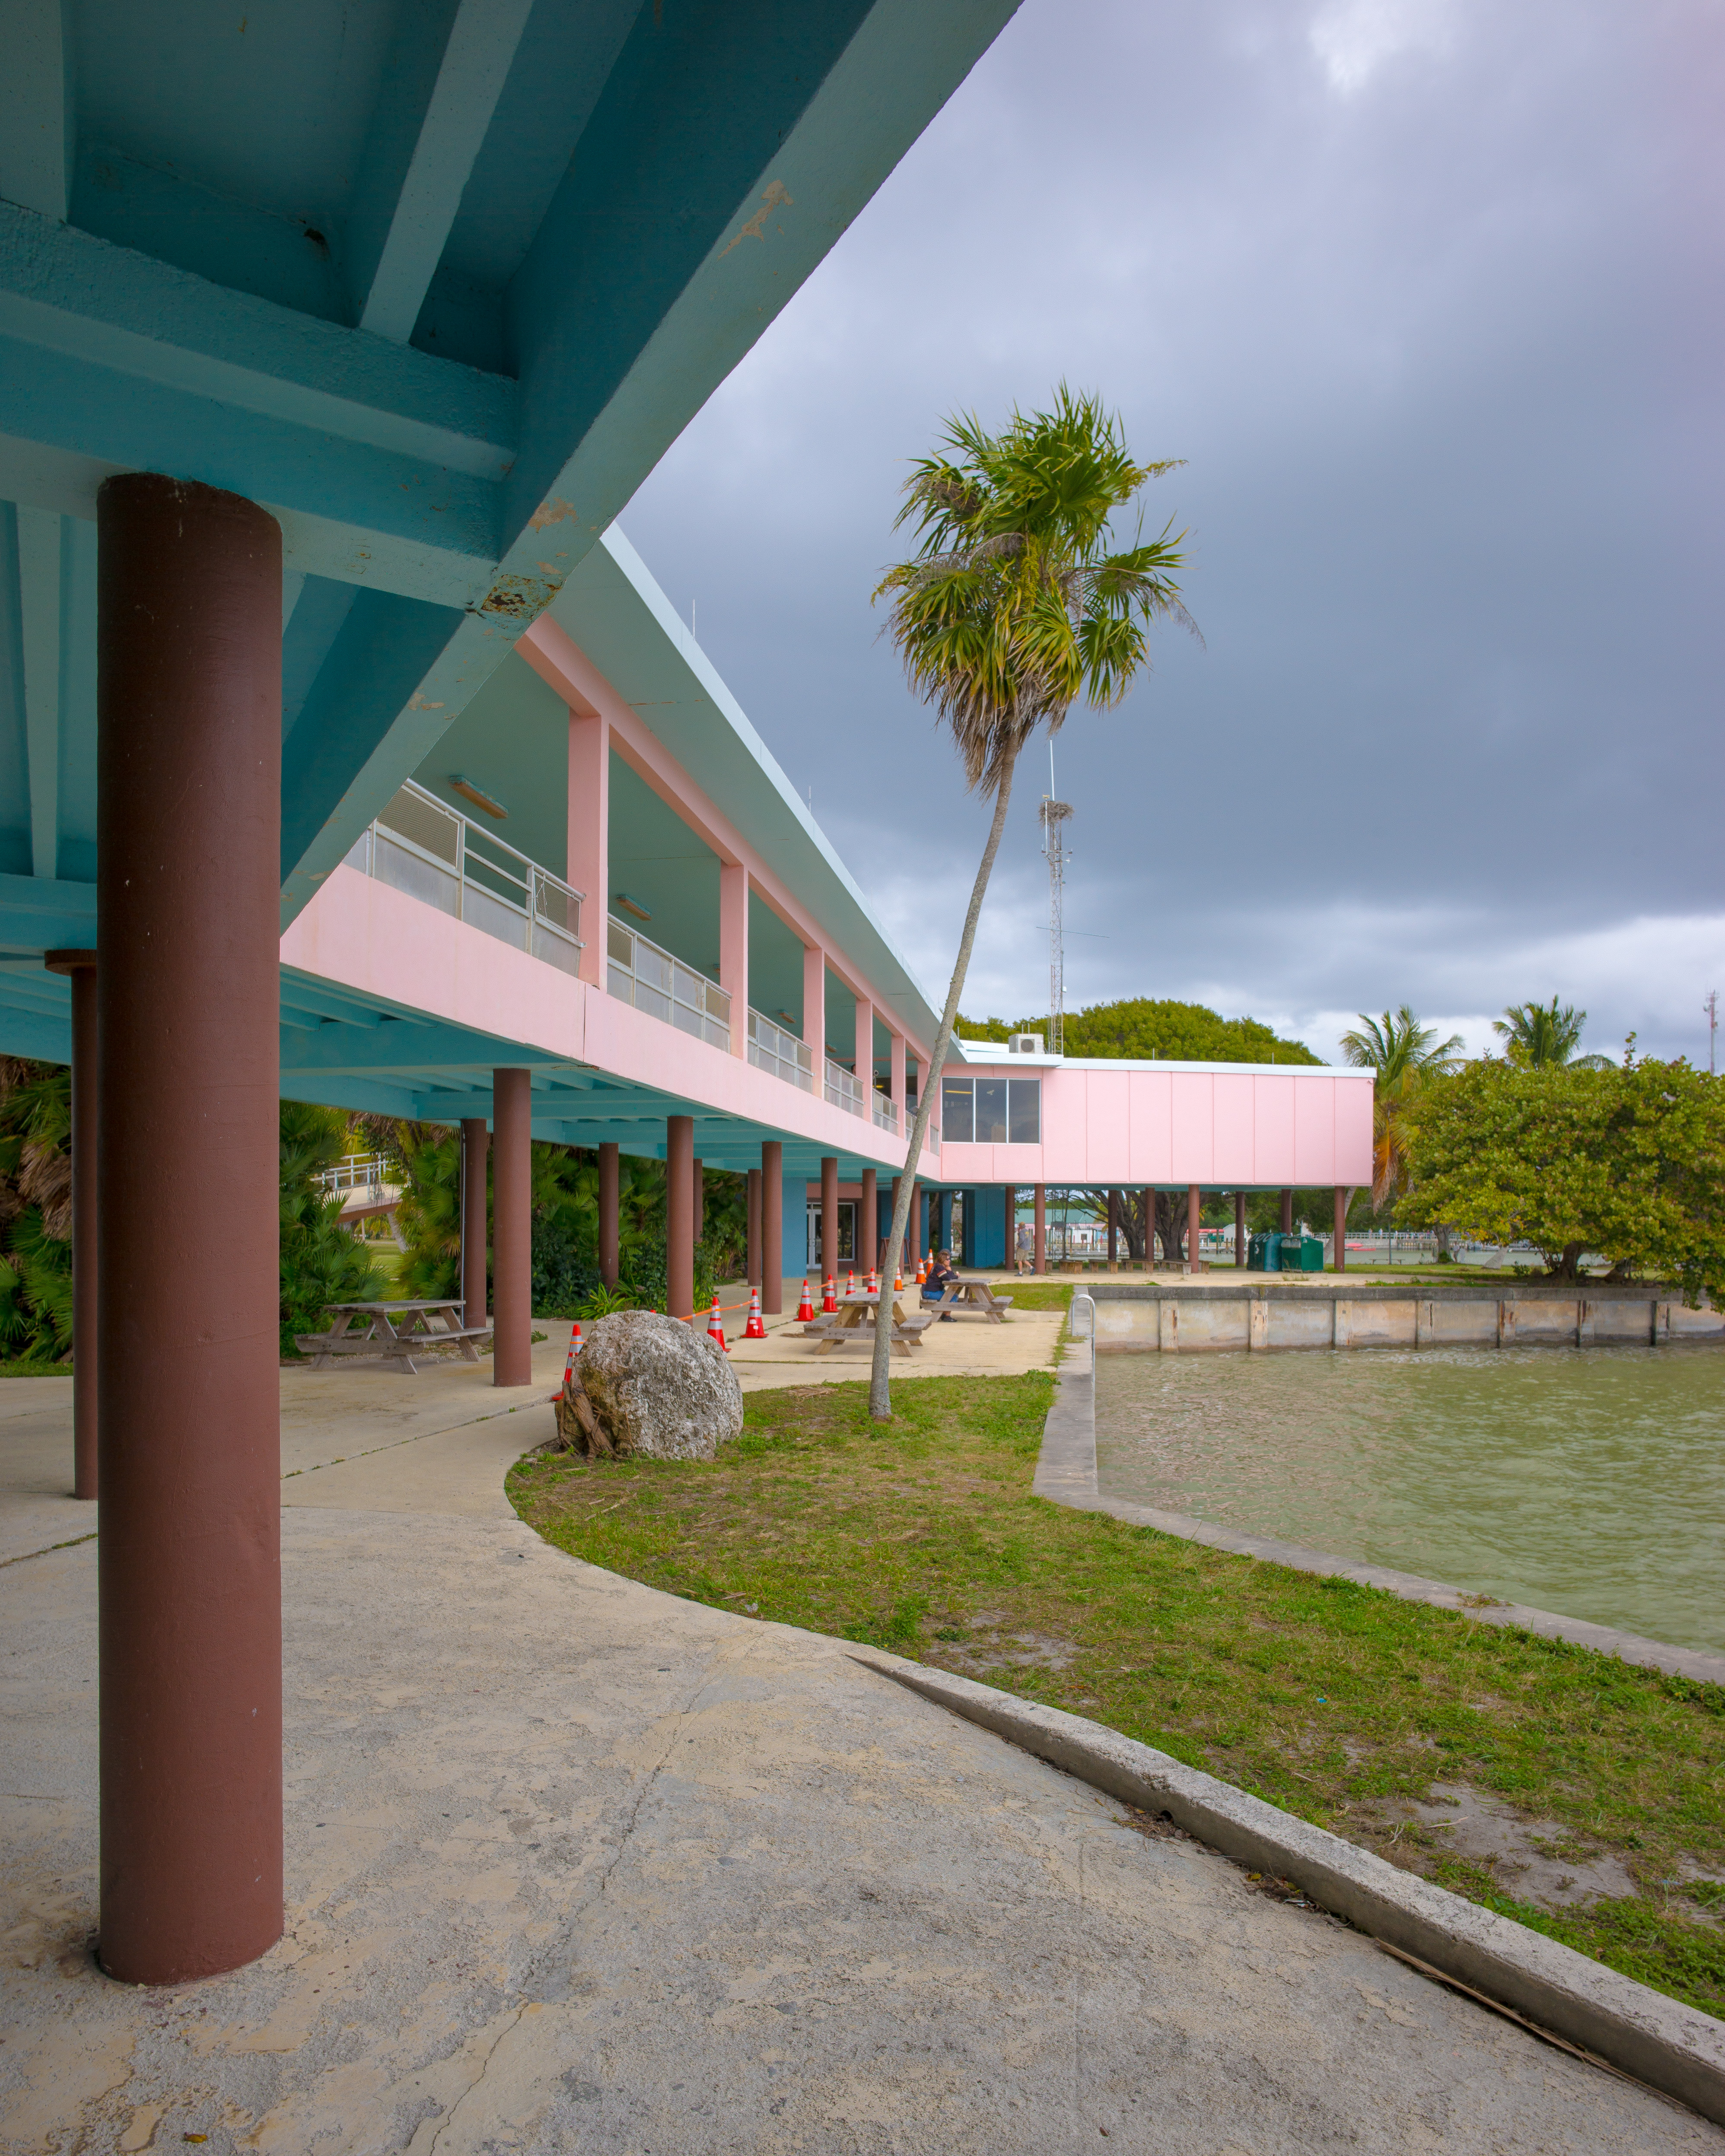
(1712, 1007)
(1054, 816)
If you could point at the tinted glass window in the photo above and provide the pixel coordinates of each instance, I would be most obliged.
(958, 1116)
(991, 1111)
(1026, 1111)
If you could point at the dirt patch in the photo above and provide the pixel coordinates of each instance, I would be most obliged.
(1534, 1860)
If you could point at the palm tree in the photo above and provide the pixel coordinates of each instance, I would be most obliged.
(1537, 1036)
(1014, 606)
(1405, 1057)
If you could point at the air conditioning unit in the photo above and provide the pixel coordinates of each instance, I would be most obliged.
(1025, 1043)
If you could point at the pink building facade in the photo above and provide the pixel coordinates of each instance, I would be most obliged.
(674, 953)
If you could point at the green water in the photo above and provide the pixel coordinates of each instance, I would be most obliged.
(1585, 1479)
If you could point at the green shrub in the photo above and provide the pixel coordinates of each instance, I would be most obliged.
(321, 1261)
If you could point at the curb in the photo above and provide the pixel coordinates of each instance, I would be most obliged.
(1674, 2049)
(1066, 1475)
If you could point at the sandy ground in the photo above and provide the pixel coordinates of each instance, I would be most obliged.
(576, 1866)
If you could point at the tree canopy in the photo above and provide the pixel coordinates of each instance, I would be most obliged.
(1534, 1034)
(1146, 1027)
(1628, 1162)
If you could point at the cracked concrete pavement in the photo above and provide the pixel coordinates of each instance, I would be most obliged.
(573, 1864)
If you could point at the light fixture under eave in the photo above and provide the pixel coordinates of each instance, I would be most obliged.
(466, 787)
(634, 906)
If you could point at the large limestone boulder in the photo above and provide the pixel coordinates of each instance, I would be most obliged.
(649, 1385)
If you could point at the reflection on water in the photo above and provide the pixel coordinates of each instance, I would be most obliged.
(1585, 1479)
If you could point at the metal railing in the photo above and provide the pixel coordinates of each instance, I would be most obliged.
(771, 1047)
(362, 1171)
(640, 973)
(841, 1089)
(419, 846)
(885, 1111)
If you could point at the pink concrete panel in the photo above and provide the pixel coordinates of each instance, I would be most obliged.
(1314, 1134)
(368, 936)
(1194, 1126)
(1107, 1131)
(1273, 1132)
(1353, 1133)
(1234, 1154)
(1150, 1159)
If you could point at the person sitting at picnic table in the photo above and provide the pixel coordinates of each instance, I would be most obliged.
(937, 1279)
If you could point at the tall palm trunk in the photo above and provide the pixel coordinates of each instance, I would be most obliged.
(880, 1393)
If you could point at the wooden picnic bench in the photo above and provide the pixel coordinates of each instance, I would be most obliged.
(852, 1325)
(971, 1298)
(394, 1332)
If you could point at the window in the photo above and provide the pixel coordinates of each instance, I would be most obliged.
(1024, 1125)
(991, 1111)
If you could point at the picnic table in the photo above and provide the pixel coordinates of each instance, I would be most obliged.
(852, 1325)
(393, 1332)
(971, 1298)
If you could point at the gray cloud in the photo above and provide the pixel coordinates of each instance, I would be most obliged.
(1426, 294)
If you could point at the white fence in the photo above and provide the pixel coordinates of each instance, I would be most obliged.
(419, 846)
(638, 972)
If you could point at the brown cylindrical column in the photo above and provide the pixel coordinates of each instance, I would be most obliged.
(697, 1188)
(916, 1225)
(1041, 1229)
(188, 789)
(610, 1173)
(475, 1143)
(79, 968)
(898, 1184)
(512, 1227)
(753, 1183)
(1287, 1212)
(1195, 1209)
(1239, 1229)
(1341, 1230)
(829, 1216)
(868, 1222)
(680, 1214)
(1113, 1230)
(772, 1226)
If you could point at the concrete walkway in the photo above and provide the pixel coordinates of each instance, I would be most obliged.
(572, 1865)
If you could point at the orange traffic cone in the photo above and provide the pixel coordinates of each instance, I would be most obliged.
(716, 1327)
(574, 1350)
(919, 1272)
(850, 1282)
(805, 1308)
(874, 1281)
(754, 1330)
(898, 1279)
(828, 1295)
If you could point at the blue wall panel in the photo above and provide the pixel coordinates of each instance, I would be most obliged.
(985, 1212)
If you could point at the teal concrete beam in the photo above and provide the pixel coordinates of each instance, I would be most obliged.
(39, 914)
(65, 293)
(420, 148)
(731, 145)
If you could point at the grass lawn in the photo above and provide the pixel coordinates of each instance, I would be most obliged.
(1336, 1702)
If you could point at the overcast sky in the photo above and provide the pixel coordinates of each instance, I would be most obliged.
(1427, 292)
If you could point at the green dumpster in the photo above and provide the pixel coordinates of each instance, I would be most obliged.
(1301, 1254)
(1263, 1251)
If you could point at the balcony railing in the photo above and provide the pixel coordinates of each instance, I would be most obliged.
(884, 1109)
(419, 846)
(842, 1089)
(771, 1047)
(362, 1171)
(638, 972)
